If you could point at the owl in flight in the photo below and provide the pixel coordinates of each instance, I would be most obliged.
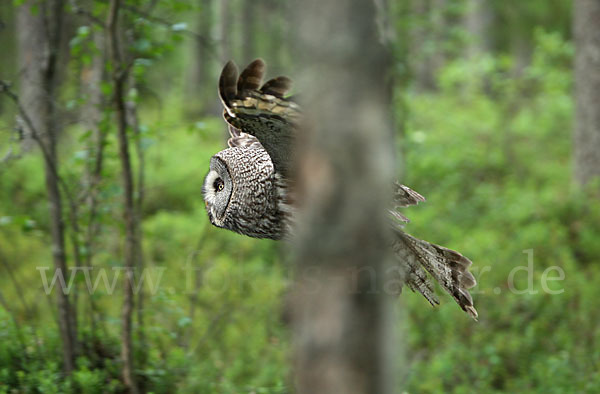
(247, 188)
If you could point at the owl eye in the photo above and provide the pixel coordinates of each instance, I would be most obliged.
(219, 185)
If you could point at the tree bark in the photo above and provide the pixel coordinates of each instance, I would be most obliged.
(39, 44)
(8, 64)
(225, 30)
(274, 17)
(119, 77)
(587, 90)
(340, 312)
(420, 36)
(439, 31)
(249, 30)
(31, 59)
(92, 116)
(477, 21)
(201, 89)
(133, 121)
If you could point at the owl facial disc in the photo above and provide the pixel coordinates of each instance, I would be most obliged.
(217, 189)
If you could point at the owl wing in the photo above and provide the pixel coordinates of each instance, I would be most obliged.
(449, 268)
(261, 114)
(260, 111)
(404, 196)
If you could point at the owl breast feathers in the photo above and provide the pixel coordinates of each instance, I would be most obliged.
(247, 187)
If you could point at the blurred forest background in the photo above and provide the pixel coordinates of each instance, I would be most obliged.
(108, 118)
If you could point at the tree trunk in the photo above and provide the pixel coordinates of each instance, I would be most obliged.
(225, 30)
(587, 90)
(92, 116)
(420, 36)
(340, 312)
(439, 35)
(273, 15)
(39, 43)
(119, 77)
(31, 59)
(133, 121)
(521, 49)
(201, 89)
(477, 21)
(8, 62)
(204, 49)
(249, 31)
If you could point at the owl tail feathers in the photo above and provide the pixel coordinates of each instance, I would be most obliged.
(449, 268)
(248, 83)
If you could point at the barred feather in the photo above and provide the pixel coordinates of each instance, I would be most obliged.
(228, 83)
(269, 117)
(447, 267)
(264, 117)
(277, 86)
(405, 196)
(251, 77)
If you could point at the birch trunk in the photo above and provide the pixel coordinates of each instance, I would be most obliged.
(587, 90)
(340, 313)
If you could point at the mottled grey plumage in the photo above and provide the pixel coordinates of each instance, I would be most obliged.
(247, 189)
(243, 194)
(270, 118)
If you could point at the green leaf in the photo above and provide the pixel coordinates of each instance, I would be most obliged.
(106, 88)
(179, 26)
(83, 31)
(184, 322)
(85, 136)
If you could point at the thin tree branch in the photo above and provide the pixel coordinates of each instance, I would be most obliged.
(5, 88)
(85, 13)
(210, 43)
(163, 22)
(73, 210)
(119, 77)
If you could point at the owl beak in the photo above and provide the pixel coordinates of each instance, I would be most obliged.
(206, 204)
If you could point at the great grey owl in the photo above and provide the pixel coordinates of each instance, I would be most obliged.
(247, 187)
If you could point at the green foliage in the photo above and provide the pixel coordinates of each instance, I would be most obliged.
(490, 149)
(491, 152)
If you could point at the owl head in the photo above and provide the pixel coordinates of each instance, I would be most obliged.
(241, 194)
